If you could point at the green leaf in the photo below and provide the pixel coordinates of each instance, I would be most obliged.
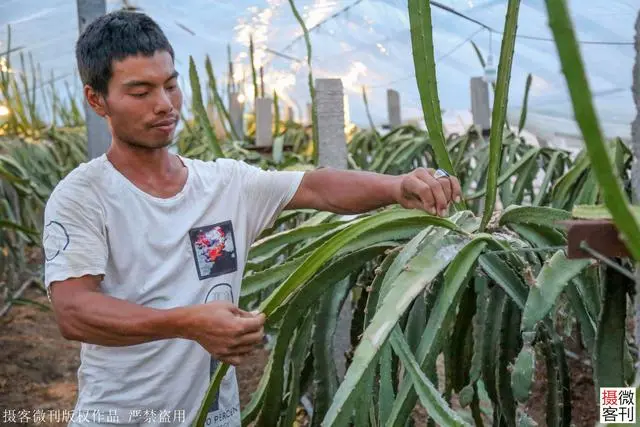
(305, 297)
(523, 114)
(333, 245)
(610, 339)
(511, 171)
(429, 396)
(478, 54)
(559, 385)
(551, 170)
(523, 373)
(587, 323)
(272, 245)
(325, 372)
(598, 212)
(262, 280)
(385, 383)
(500, 108)
(507, 350)
(297, 359)
(589, 191)
(416, 322)
(312, 91)
(551, 281)
(425, 69)
(441, 319)
(581, 97)
(548, 217)
(254, 75)
(420, 271)
(222, 110)
(567, 183)
(201, 112)
(500, 272)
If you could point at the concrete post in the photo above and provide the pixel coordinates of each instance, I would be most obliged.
(264, 121)
(236, 112)
(98, 136)
(330, 110)
(480, 104)
(333, 153)
(635, 174)
(290, 116)
(393, 108)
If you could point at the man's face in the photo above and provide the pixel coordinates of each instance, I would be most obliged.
(144, 100)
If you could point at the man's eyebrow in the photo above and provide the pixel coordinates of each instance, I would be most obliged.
(134, 83)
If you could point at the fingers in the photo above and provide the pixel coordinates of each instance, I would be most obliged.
(421, 190)
(456, 191)
(446, 187)
(252, 338)
(247, 325)
(441, 201)
(235, 357)
(454, 183)
(420, 195)
(240, 351)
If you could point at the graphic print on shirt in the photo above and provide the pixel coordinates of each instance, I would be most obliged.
(55, 240)
(214, 249)
(219, 292)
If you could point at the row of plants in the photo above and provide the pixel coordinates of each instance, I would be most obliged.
(489, 292)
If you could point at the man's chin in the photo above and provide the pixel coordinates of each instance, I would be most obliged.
(151, 145)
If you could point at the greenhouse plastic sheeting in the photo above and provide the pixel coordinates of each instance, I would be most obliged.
(365, 42)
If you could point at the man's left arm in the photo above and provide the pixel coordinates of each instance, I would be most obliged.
(353, 192)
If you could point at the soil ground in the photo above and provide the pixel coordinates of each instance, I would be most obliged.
(38, 371)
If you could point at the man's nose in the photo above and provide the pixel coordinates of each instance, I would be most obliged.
(163, 102)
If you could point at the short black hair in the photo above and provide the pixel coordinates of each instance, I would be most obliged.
(113, 37)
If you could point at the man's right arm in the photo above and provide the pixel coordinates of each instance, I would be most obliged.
(85, 314)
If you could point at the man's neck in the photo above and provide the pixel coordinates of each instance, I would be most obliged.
(156, 171)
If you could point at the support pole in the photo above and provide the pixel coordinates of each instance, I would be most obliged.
(393, 108)
(264, 120)
(236, 112)
(98, 136)
(480, 108)
(330, 107)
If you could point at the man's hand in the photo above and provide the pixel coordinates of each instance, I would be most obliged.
(227, 332)
(419, 189)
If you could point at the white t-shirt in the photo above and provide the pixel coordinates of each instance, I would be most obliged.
(160, 253)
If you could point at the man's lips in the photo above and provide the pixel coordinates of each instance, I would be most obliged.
(165, 125)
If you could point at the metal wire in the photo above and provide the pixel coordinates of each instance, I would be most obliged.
(585, 247)
(315, 27)
(523, 36)
(544, 249)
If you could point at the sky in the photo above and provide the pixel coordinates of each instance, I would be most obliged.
(365, 43)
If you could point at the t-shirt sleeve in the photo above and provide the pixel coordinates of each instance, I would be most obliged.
(266, 194)
(74, 234)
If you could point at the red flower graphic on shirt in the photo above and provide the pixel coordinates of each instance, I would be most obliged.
(211, 244)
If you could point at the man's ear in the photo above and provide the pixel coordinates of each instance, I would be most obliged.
(96, 101)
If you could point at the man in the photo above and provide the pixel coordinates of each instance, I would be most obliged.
(145, 250)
